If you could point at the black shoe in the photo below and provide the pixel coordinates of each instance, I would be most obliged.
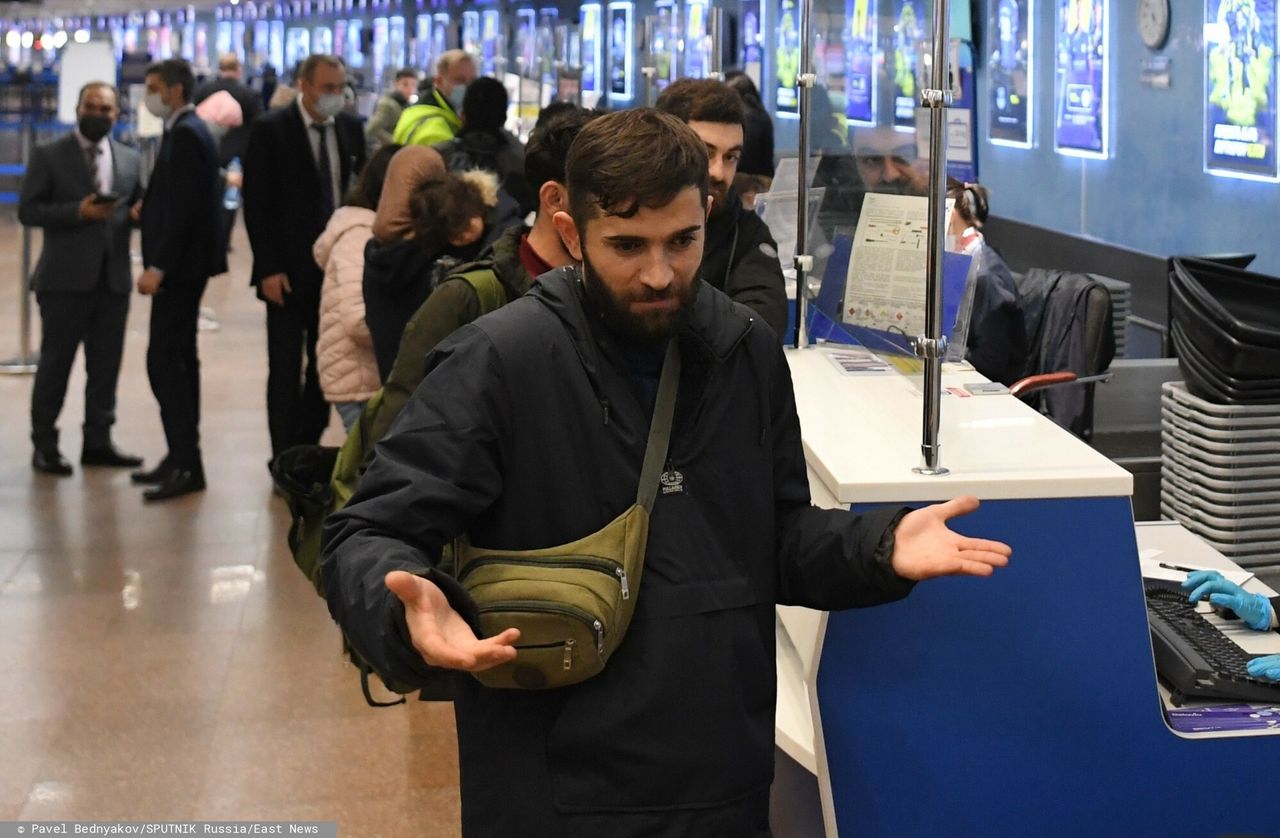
(50, 461)
(110, 456)
(153, 476)
(179, 482)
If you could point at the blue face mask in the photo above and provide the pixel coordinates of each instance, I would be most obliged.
(456, 95)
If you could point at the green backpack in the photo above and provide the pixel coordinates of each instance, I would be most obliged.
(318, 480)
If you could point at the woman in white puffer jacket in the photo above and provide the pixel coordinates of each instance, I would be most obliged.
(344, 351)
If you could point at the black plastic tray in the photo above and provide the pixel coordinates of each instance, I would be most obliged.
(1214, 386)
(1226, 351)
(1244, 304)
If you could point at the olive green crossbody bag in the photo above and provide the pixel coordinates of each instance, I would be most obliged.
(572, 603)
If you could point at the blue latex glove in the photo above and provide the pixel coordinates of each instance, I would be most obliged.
(1268, 667)
(1254, 609)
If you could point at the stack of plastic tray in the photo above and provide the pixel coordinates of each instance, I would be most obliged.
(1121, 308)
(1226, 331)
(1220, 473)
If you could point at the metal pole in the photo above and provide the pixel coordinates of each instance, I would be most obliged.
(26, 361)
(932, 345)
(803, 260)
(715, 31)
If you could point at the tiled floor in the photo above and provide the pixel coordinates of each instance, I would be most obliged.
(170, 661)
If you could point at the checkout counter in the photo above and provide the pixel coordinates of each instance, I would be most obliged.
(1023, 704)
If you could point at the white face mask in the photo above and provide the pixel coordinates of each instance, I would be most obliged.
(330, 104)
(156, 106)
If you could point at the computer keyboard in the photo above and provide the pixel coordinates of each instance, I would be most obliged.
(1194, 658)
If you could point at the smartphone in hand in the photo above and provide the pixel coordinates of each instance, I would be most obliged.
(106, 198)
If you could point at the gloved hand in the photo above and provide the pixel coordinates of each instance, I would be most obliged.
(1254, 609)
(1268, 667)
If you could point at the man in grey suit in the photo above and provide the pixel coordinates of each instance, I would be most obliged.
(81, 190)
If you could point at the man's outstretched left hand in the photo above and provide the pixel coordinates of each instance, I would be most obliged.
(924, 547)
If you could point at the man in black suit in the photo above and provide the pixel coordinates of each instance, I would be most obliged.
(80, 189)
(181, 249)
(299, 163)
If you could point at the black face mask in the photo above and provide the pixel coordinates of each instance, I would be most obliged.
(94, 127)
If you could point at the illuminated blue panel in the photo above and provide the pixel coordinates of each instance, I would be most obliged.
(1240, 89)
(592, 48)
(1083, 100)
(861, 25)
(1011, 70)
(786, 94)
(621, 48)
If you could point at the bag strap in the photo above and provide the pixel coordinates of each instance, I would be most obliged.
(488, 288)
(655, 452)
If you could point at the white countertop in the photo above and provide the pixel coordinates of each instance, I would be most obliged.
(862, 438)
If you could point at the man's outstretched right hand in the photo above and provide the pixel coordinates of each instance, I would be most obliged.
(440, 634)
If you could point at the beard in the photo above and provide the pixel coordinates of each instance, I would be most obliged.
(719, 192)
(650, 329)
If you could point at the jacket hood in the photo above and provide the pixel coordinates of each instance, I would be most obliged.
(342, 221)
(715, 328)
(484, 182)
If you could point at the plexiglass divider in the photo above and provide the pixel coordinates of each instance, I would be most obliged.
(859, 175)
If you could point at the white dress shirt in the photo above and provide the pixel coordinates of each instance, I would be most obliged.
(331, 143)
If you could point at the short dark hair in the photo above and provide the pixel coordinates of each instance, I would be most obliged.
(548, 146)
(367, 191)
(91, 85)
(406, 73)
(702, 100)
(307, 69)
(552, 110)
(441, 209)
(175, 71)
(484, 106)
(633, 158)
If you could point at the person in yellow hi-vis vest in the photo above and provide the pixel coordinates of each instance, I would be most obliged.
(436, 116)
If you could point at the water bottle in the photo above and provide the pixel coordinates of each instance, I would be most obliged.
(231, 198)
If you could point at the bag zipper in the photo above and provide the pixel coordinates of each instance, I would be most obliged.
(566, 645)
(596, 563)
(551, 608)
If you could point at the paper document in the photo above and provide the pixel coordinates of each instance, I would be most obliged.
(1153, 567)
(886, 285)
(855, 360)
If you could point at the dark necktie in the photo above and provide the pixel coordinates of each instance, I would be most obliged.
(91, 155)
(326, 172)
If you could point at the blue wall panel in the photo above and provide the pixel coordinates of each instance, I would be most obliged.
(1152, 194)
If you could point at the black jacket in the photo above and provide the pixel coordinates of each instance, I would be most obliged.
(501, 155)
(997, 345)
(182, 210)
(398, 279)
(282, 198)
(452, 304)
(741, 259)
(526, 432)
(1060, 309)
(236, 141)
